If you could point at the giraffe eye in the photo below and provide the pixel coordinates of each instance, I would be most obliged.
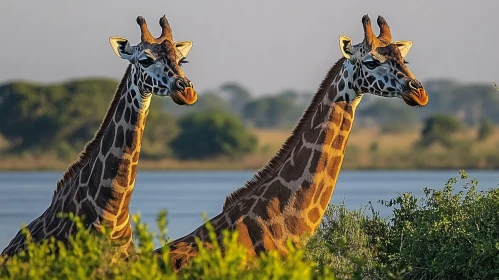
(406, 62)
(146, 62)
(371, 64)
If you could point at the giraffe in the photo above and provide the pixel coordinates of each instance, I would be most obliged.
(287, 198)
(99, 185)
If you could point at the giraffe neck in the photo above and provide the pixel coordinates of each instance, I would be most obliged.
(303, 185)
(110, 174)
(309, 176)
(106, 182)
(296, 187)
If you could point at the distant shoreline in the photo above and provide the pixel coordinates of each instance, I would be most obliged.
(172, 165)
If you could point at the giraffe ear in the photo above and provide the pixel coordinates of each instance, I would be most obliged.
(404, 47)
(121, 47)
(346, 46)
(183, 49)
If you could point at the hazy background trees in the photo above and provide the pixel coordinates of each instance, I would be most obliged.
(210, 134)
(60, 118)
(439, 128)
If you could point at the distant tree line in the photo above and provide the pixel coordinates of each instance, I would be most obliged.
(60, 118)
(468, 103)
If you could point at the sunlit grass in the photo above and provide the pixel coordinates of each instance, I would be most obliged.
(392, 151)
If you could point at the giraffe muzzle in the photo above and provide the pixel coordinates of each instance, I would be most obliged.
(187, 96)
(415, 95)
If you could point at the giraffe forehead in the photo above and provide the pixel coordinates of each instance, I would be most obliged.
(160, 51)
(163, 53)
(390, 52)
(382, 51)
(361, 48)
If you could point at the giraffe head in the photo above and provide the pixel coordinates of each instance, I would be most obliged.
(377, 65)
(155, 63)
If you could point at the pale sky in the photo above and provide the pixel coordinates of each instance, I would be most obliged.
(265, 45)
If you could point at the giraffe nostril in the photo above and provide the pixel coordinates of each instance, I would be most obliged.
(181, 84)
(415, 84)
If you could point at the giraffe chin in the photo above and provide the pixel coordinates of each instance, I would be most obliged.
(416, 97)
(186, 97)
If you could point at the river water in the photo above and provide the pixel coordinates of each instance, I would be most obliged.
(186, 195)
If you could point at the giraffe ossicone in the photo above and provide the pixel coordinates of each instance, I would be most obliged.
(99, 185)
(287, 198)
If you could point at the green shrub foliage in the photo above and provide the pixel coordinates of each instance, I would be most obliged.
(447, 234)
(89, 256)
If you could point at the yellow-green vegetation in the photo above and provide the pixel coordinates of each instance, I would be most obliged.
(448, 234)
(89, 257)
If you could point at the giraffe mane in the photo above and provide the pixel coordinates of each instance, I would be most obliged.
(93, 144)
(266, 172)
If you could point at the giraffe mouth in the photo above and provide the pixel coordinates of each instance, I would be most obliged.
(186, 97)
(415, 97)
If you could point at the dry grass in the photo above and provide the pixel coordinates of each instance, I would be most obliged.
(367, 148)
(3, 143)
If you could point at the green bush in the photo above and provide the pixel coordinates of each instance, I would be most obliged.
(445, 235)
(89, 257)
(211, 134)
(342, 244)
